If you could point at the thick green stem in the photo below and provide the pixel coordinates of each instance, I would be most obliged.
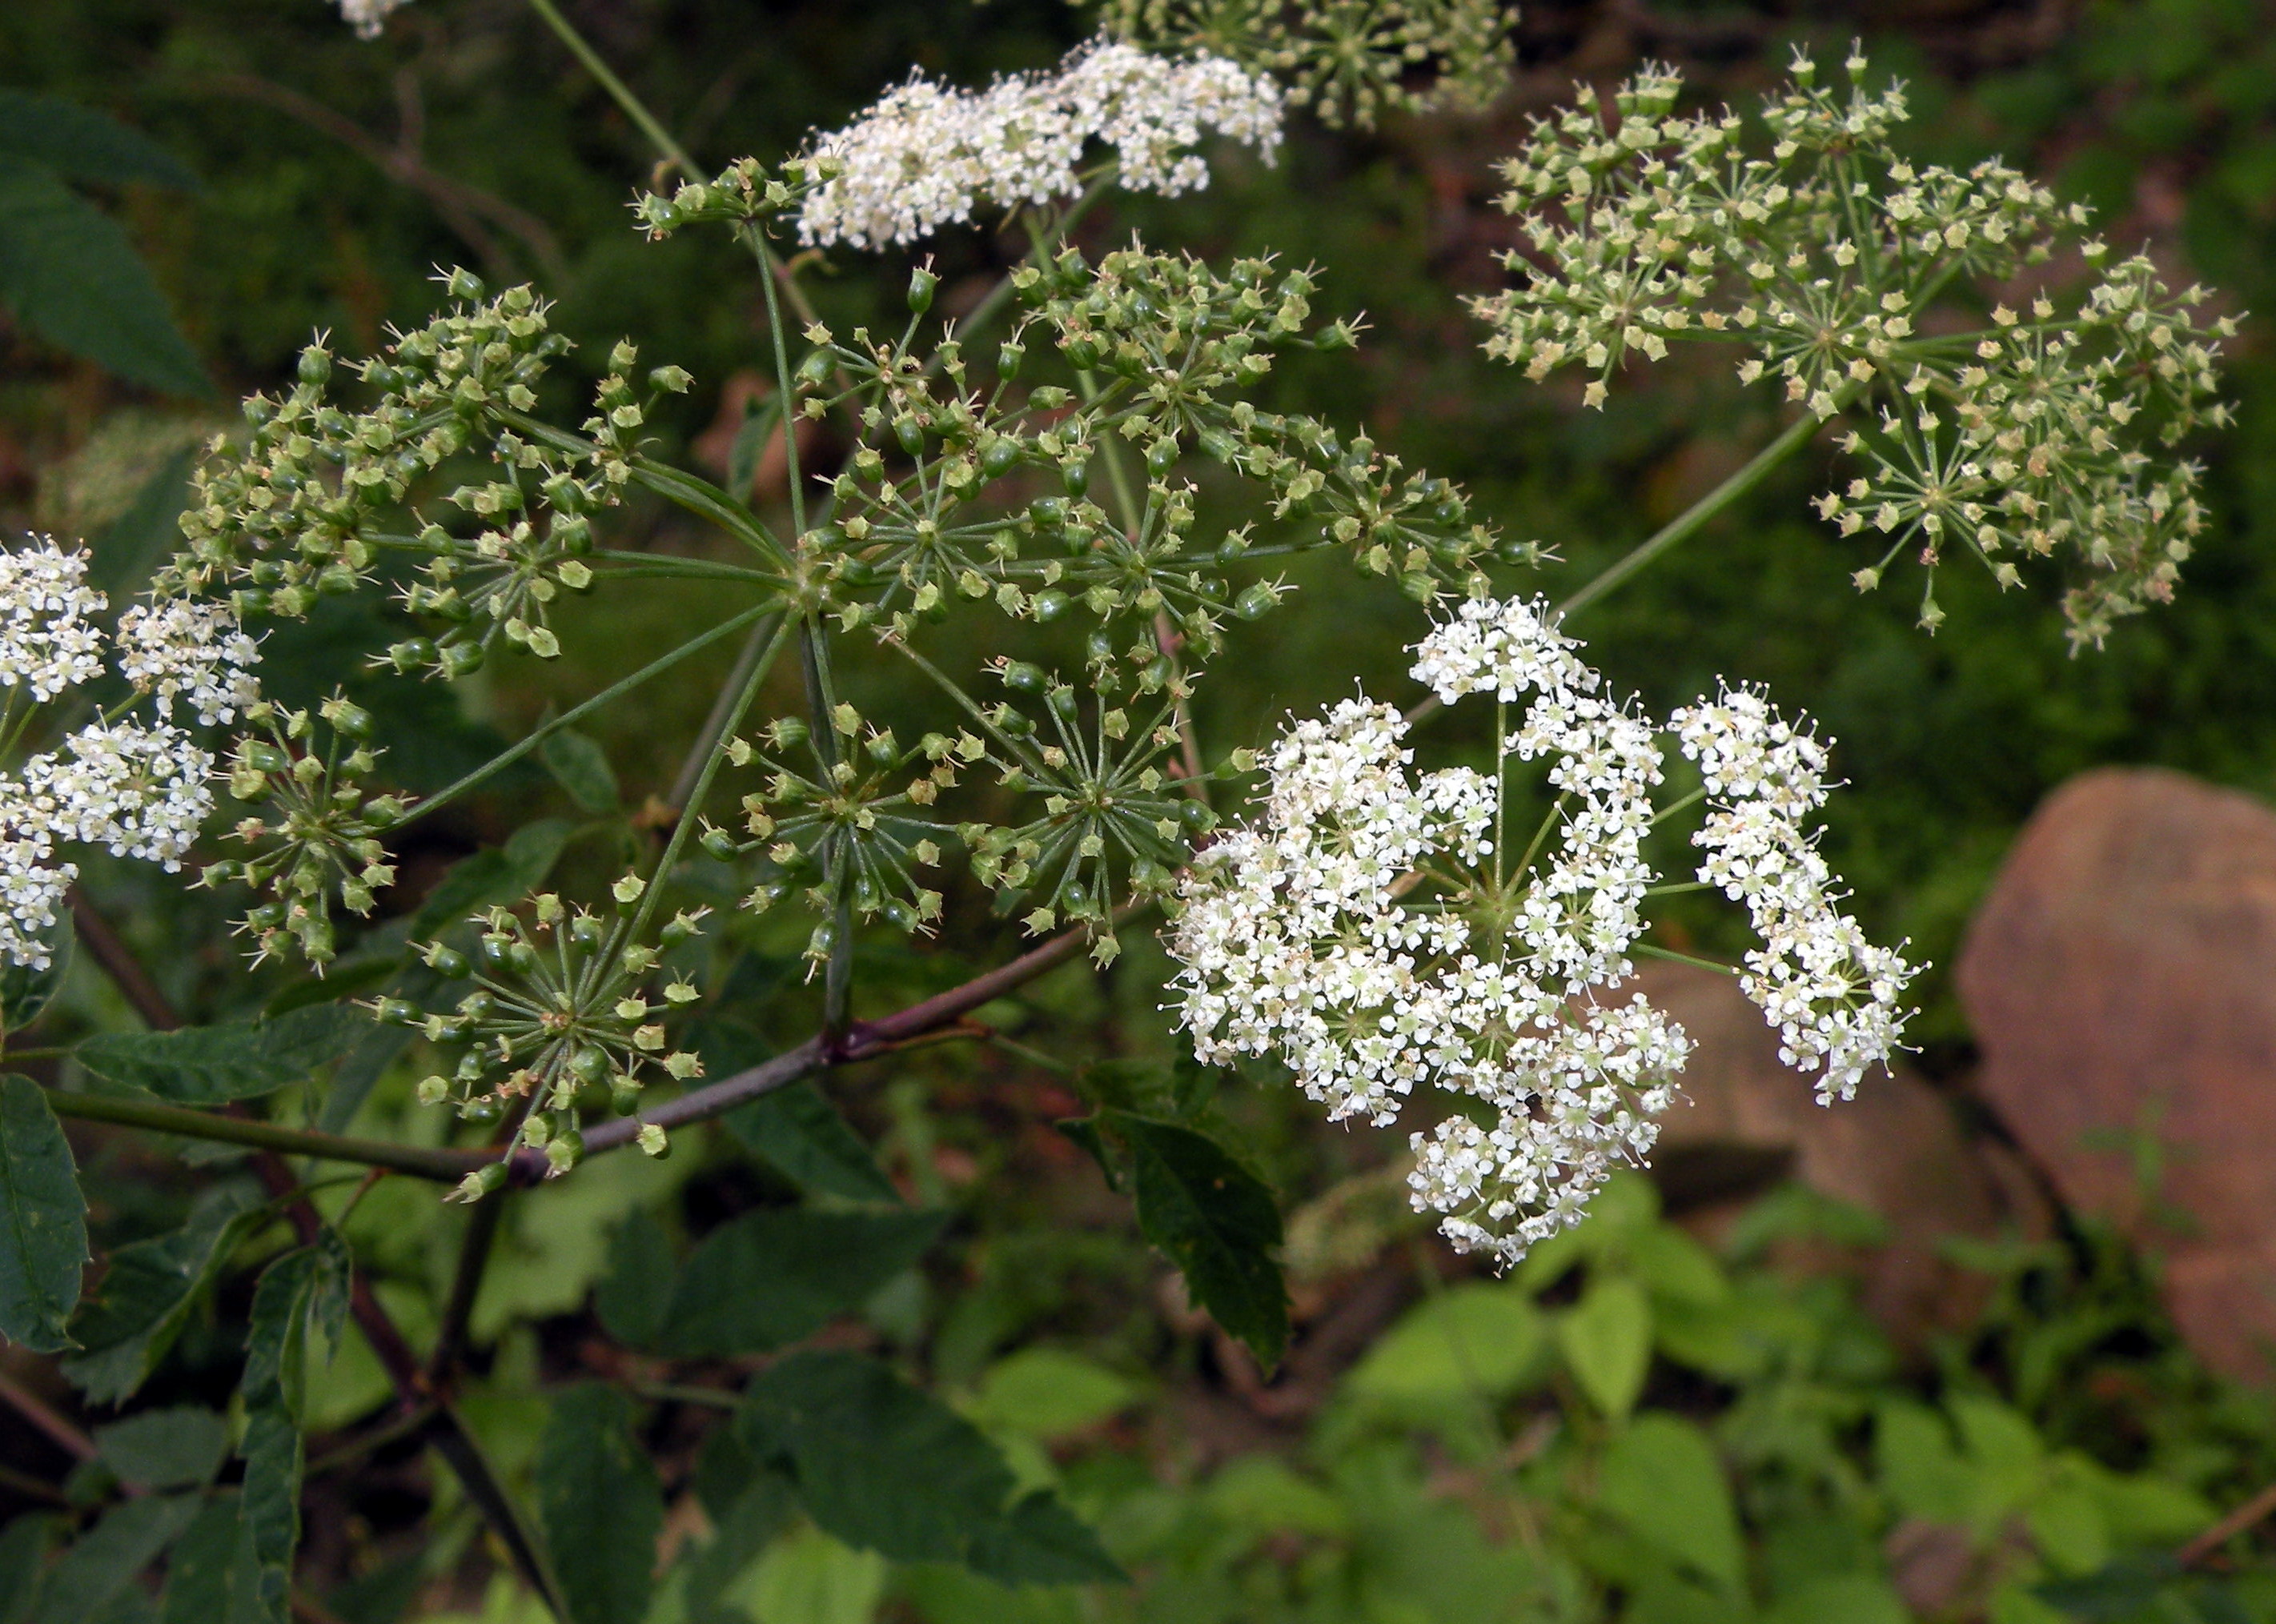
(614, 690)
(440, 1163)
(727, 724)
(1687, 523)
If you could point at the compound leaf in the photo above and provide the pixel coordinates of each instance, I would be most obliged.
(886, 1468)
(146, 1295)
(43, 1221)
(800, 1135)
(179, 1448)
(68, 273)
(771, 1277)
(243, 1059)
(1216, 1220)
(81, 143)
(599, 1505)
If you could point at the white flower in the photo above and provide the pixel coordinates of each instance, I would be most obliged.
(926, 156)
(1370, 929)
(33, 886)
(48, 641)
(137, 789)
(368, 17)
(1834, 997)
(196, 652)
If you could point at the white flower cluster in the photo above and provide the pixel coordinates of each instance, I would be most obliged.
(136, 789)
(368, 17)
(1832, 994)
(1371, 931)
(926, 156)
(195, 652)
(49, 641)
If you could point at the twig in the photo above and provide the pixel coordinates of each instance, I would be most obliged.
(466, 1284)
(2254, 1510)
(118, 962)
(407, 1423)
(864, 1040)
(457, 202)
(36, 1411)
(30, 1487)
(451, 1439)
(438, 1162)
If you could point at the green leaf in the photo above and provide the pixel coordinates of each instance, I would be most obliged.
(581, 767)
(212, 1066)
(1920, 1470)
(771, 1277)
(150, 528)
(803, 1137)
(502, 874)
(24, 990)
(268, 1519)
(751, 438)
(197, 1574)
(23, 1556)
(1851, 1598)
(1477, 1340)
(1660, 1478)
(43, 1221)
(1606, 1339)
(1048, 1392)
(635, 1295)
(81, 143)
(890, 1470)
(598, 1501)
(68, 273)
(1216, 1220)
(177, 1448)
(147, 1293)
(94, 1572)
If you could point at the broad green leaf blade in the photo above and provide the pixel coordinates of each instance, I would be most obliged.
(212, 1066)
(1048, 1392)
(502, 874)
(1661, 1478)
(179, 1448)
(43, 1221)
(1606, 1339)
(600, 1505)
(1216, 1220)
(150, 528)
(772, 1277)
(24, 990)
(81, 143)
(581, 767)
(268, 1520)
(68, 273)
(1475, 1342)
(751, 438)
(635, 1294)
(94, 1572)
(890, 1470)
(24, 1545)
(306, 1285)
(138, 1308)
(803, 1137)
(197, 1574)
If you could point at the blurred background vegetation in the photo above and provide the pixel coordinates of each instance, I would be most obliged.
(2066, 1430)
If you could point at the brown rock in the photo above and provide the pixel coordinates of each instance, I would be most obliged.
(1896, 1150)
(2121, 981)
